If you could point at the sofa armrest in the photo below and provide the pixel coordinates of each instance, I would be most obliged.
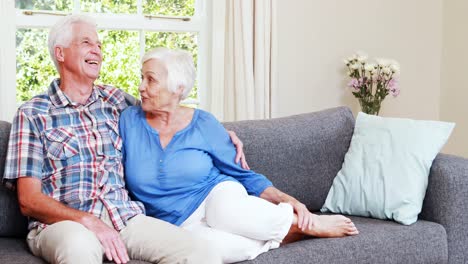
(446, 203)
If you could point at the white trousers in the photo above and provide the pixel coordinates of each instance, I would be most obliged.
(239, 225)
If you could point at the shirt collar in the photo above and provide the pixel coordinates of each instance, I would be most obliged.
(60, 99)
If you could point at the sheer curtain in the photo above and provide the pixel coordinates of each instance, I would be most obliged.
(248, 62)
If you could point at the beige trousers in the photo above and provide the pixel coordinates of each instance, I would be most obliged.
(146, 238)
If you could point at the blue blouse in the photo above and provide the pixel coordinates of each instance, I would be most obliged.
(172, 182)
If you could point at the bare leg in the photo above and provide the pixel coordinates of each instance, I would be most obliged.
(322, 226)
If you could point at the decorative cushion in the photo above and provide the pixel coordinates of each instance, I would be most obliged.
(385, 171)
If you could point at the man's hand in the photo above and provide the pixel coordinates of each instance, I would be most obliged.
(114, 247)
(35, 204)
(240, 156)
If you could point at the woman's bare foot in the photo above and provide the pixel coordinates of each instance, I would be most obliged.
(322, 226)
(331, 226)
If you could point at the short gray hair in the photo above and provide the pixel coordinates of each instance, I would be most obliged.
(179, 65)
(61, 32)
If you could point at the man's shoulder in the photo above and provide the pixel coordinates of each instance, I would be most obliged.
(39, 104)
(116, 96)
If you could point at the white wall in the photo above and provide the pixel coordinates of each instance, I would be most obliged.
(454, 86)
(315, 36)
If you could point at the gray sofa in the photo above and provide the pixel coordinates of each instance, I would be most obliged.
(302, 154)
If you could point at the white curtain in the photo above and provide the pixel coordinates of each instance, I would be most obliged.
(249, 60)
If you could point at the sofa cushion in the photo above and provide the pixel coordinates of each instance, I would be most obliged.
(300, 154)
(379, 241)
(4, 136)
(15, 251)
(12, 223)
(385, 171)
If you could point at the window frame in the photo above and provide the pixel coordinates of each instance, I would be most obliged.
(138, 22)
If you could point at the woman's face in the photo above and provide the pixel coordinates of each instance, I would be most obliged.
(153, 87)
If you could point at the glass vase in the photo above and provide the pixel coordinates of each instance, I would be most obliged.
(369, 107)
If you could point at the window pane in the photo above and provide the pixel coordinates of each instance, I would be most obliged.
(58, 5)
(186, 41)
(109, 6)
(34, 68)
(169, 7)
(121, 60)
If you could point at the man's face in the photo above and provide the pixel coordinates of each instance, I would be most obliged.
(83, 57)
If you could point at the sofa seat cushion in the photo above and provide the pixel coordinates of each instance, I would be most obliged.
(15, 251)
(379, 241)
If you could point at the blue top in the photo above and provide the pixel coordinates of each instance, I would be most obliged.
(172, 182)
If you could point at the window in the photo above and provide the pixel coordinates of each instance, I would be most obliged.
(127, 29)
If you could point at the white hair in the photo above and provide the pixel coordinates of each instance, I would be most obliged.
(179, 66)
(61, 32)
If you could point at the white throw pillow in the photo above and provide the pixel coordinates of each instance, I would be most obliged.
(385, 171)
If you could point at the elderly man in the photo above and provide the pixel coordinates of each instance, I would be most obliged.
(65, 158)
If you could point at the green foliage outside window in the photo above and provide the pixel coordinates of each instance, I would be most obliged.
(56, 5)
(34, 68)
(153, 7)
(169, 7)
(121, 60)
(109, 6)
(121, 49)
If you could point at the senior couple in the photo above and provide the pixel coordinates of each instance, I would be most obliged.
(68, 154)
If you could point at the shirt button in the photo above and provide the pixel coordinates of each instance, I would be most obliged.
(161, 161)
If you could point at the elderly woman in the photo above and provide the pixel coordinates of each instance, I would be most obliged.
(179, 162)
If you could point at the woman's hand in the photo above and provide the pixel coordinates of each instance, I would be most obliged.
(304, 217)
(240, 156)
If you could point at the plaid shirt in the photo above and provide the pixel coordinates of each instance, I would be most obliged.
(75, 150)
